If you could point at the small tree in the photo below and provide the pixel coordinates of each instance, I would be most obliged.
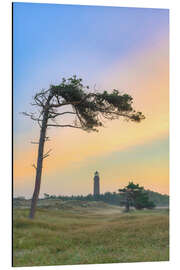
(136, 196)
(46, 196)
(142, 201)
(88, 108)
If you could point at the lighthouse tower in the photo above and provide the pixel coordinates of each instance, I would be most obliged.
(96, 184)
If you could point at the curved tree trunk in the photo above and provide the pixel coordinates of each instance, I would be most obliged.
(40, 158)
(39, 165)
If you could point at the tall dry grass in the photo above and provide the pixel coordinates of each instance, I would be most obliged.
(61, 237)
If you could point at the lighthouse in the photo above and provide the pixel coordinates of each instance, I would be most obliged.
(96, 184)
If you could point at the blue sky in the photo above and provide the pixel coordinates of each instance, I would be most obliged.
(51, 41)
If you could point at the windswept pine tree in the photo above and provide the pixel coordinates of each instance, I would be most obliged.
(135, 195)
(88, 108)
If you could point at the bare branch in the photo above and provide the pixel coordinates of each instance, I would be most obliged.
(80, 120)
(48, 151)
(63, 113)
(58, 114)
(47, 154)
(31, 115)
(38, 101)
(34, 142)
(33, 165)
(51, 125)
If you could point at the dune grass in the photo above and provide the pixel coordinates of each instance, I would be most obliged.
(61, 237)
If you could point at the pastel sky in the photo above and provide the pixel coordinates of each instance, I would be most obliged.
(109, 47)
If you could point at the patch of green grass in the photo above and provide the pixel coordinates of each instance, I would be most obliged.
(61, 237)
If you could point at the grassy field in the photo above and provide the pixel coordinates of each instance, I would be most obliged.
(88, 233)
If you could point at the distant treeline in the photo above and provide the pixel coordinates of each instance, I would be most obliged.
(112, 198)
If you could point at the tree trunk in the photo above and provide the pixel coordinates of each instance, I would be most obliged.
(127, 203)
(127, 206)
(39, 164)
